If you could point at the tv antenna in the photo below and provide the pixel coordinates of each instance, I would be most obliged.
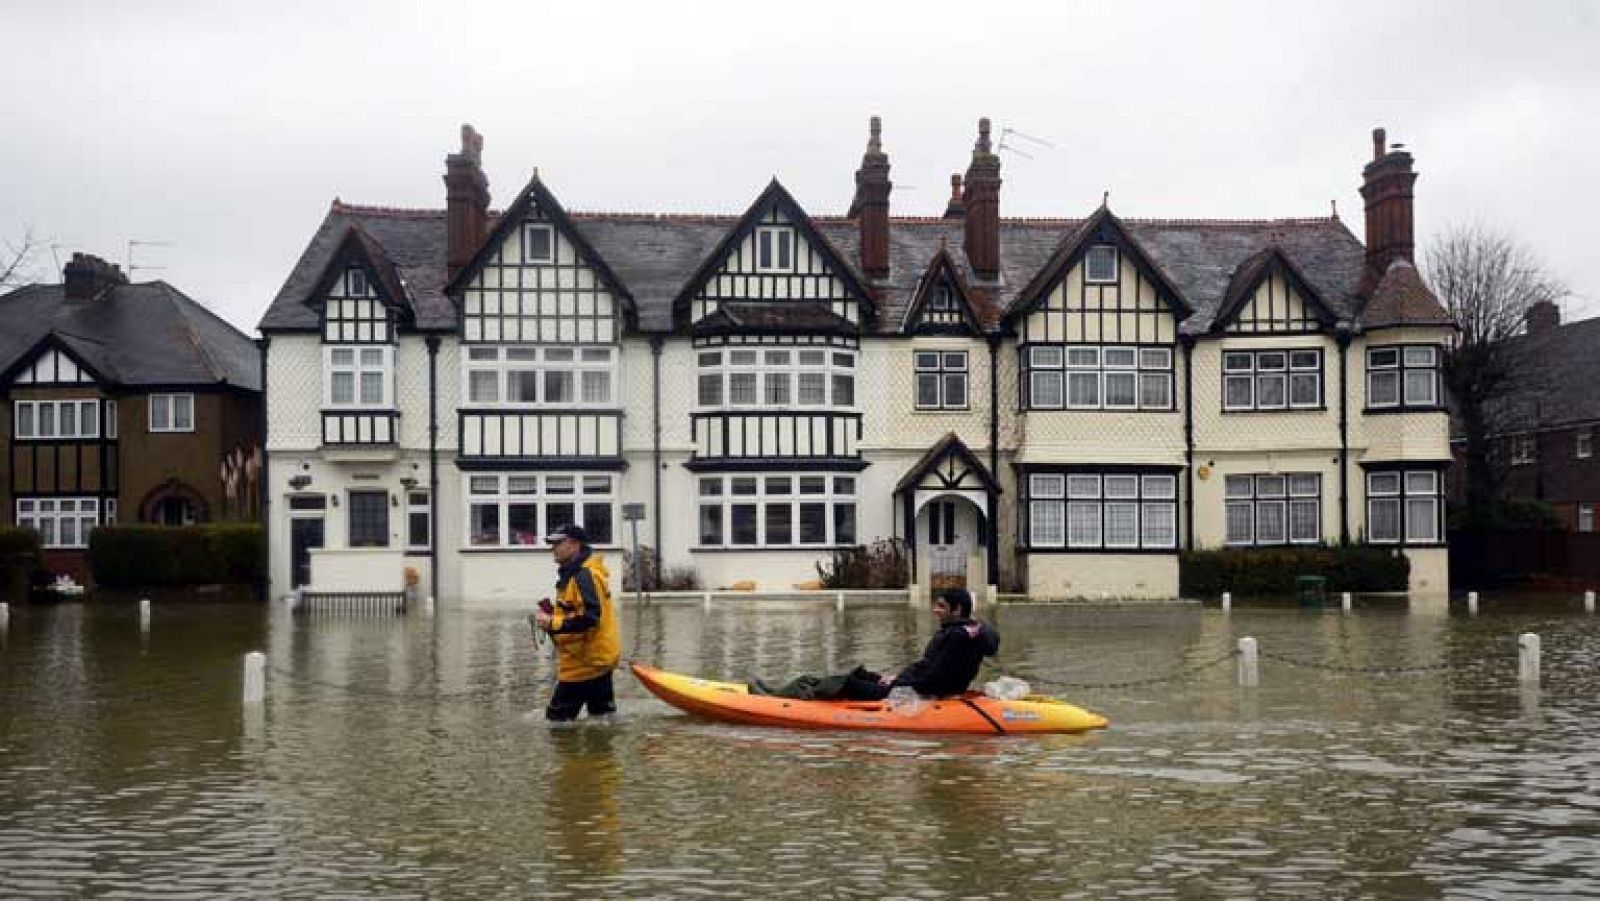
(1008, 134)
(55, 252)
(132, 268)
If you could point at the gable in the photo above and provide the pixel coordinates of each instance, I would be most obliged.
(941, 305)
(359, 298)
(1099, 287)
(774, 254)
(1270, 297)
(949, 465)
(536, 282)
(50, 364)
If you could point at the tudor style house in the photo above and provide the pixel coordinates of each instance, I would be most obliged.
(1055, 405)
(124, 403)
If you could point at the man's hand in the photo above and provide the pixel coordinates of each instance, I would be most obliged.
(542, 620)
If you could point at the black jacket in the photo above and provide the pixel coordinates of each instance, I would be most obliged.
(951, 660)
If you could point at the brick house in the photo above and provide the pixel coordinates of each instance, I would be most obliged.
(122, 403)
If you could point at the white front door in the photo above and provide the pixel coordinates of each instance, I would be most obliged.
(951, 529)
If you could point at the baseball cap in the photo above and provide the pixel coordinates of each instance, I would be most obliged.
(576, 533)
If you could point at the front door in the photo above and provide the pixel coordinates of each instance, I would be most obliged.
(950, 531)
(305, 533)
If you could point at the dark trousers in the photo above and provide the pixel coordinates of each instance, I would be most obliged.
(571, 697)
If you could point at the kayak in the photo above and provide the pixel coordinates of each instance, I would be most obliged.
(973, 713)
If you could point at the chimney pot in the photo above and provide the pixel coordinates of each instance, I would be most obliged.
(981, 198)
(956, 208)
(1386, 186)
(466, 193)
(1544, 317)
(1379, 143)
(86, 276)
(870, 206)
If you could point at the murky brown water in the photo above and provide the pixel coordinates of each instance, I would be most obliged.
(406, 758)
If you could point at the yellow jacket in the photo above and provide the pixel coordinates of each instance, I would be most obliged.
(584, 623)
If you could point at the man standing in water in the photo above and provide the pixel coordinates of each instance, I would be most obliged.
(583, 624)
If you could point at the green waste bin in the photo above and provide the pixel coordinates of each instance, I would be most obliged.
(1313, 590)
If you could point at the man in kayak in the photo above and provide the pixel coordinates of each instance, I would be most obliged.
(947, 667)
(583, 624)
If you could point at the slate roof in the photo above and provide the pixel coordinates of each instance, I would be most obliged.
(1401, 298)
(1558, 371)
(655, 257)
(135, 335)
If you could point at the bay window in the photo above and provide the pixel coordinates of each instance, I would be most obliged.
(774, 511)
(540, 376)
(1404, 507)
(1405, 375)
(520, 509)
(1102, 511)
(62, 522)
(775, 377)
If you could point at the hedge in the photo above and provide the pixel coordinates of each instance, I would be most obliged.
(1271, 572)
(155, 556)
(19, 558)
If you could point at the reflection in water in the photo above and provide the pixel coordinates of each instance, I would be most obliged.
(407, 757)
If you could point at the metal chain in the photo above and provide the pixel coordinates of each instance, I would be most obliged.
(1365, 670)
(487, 690)
(1171, 676)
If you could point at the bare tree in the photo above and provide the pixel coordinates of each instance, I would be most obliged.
(16, 259)
(1488, 281)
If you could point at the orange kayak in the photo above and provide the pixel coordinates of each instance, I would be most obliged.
(974, 713)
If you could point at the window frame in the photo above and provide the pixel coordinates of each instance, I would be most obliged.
(78, 405)
(1066, 371)
(355, 369)
(418, 502)
(85, 516)
(535, 359)
(1583, 444)
(171, 413)
(771, 242)
(1115, 258)
(716, 492)
(504, 495)
(528, 256)
(1401, 369)
(941, 372)
(715, 365)
(382, 504)
(1257, 374)
(1402, 497)
(1066, 498)
(1285, 499)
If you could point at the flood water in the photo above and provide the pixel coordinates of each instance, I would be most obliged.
(407, 757)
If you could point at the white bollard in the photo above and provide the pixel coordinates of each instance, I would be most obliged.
(1344, 601)
(838, 602)
(1588, 602)
(255, 677)
(991, 595)
(1472, 602)
(5, 614)
(1249, 665)
(705, 601)
(144, 615)
(1528, 658)
(427, 606)
(1227, 601)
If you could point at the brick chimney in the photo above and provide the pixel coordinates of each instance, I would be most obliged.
(86, 277)
(981, 196)
(956, 208)
(466, 194)
(1544, 317)
(1386, 186)
(870, 206)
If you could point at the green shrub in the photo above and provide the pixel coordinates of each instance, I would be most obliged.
(19, 558)
(1271, 572)
(881, 564)
(1509, 514)
(156, 556)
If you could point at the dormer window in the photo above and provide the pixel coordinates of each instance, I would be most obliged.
(355, 282)
(774, 250)
(539, 244)
(1100, 264)
(943, 300)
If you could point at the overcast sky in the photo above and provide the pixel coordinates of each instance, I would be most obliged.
(226, 128)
